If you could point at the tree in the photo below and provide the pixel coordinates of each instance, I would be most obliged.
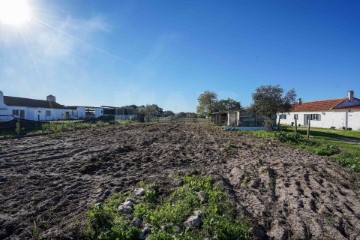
(168, 114)
(150, 111)
(269, 99)
(227, 104)
(181, 115)
(191, 115)
(206, 103)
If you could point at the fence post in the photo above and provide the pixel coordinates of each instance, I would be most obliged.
(295, 125)
(308, 130)
(18, 128)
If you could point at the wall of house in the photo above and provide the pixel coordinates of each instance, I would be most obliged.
(232, 119)
(81, 112)
(337, 119)
(354, 120)
(5, 113)
(98, 112)
(39, 114)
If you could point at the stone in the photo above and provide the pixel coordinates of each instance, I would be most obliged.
(130, 200)
(128, 203)
(136, 222)
(125, 209)
(198, 213)
(139, 192)
(202, 196)
(145, 232)
(193, 222)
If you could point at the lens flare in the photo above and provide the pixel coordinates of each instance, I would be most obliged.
(14, 12)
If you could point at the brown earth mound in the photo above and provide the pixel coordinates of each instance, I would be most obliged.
(47, 185)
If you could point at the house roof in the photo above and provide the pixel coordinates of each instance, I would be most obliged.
(27, 102)
(321, 105)
(349, 108)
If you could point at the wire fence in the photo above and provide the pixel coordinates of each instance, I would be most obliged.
(21, 127)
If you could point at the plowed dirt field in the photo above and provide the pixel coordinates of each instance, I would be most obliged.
(48, 184)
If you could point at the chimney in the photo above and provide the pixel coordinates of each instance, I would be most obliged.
(351, 95)
(51, 98)
(299, 101)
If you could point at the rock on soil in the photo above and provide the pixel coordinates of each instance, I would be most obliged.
(139, 192)
(288, 193)
(194, 221)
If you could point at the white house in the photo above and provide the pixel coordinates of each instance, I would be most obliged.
(40, 110)
(341, 113)
(5, 112)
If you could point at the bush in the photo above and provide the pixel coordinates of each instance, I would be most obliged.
(350, 160)
(288, 137)
(327, 150)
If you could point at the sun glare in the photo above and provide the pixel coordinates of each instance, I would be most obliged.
(14, 12)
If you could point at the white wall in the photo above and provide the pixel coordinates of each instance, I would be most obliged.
(98, 112)
(233, 118)
(5, 113)
(81, 112)
(36, 114)
(354, 120)
(337, 119)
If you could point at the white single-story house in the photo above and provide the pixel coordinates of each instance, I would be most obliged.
(40, 110)
(341, 113)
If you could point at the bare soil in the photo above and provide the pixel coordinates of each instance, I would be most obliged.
(47, 185)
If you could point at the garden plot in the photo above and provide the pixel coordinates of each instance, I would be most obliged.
(48, 184)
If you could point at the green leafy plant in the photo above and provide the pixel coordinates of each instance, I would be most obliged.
(18, 128)
(288, 137)
(165, 214)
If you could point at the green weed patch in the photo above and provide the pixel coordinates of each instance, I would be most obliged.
(167, 216)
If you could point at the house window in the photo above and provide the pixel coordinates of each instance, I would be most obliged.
(316, 117)
(282, 116)
(48, 113)
(15, 112)
(18, 113)
(296, 116)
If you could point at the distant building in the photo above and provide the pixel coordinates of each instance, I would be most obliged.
(340, 113)
(242, 119)
(40, 110)
(119, 113)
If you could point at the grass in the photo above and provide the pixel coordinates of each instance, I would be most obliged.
(54, 128)
(329, 142)
(165, 214)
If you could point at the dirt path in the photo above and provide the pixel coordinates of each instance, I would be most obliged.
(46, 185)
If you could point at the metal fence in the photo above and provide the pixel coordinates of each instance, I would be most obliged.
(25, 127)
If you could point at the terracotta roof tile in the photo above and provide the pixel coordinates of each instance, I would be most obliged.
(321, 105)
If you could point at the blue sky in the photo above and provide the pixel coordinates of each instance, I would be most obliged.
(92, 52)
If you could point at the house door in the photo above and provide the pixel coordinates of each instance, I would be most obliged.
(307, 117)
